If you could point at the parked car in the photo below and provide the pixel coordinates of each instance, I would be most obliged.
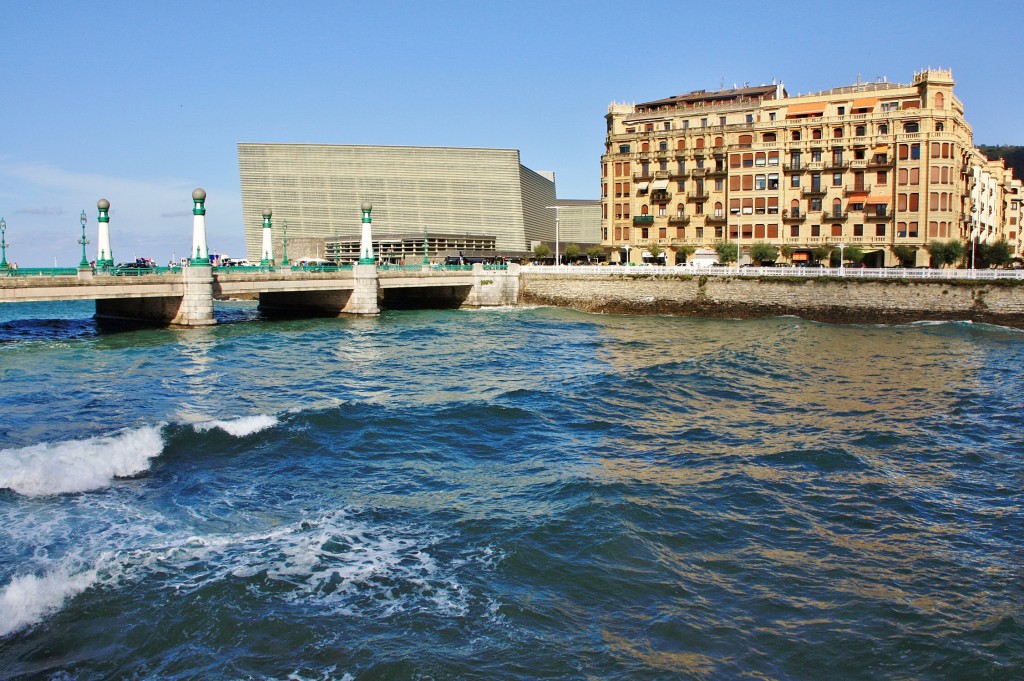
(133, 268)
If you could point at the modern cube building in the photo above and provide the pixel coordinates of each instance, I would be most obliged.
(318, 189)
(877, 165)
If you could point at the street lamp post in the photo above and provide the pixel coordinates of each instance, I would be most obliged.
(426, 258)
(557, 261)
(842, 271)
(3, 244)
(284, 260)
(83, 241)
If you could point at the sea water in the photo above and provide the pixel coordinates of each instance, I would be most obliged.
(509, 494)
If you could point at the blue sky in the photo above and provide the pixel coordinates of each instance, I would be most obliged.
(140, 102)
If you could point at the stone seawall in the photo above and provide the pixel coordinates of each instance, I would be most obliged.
(857, 301)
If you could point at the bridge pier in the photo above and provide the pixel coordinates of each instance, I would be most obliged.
(363, 300)
(196, 306)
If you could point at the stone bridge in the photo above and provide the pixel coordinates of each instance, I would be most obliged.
(184, 297)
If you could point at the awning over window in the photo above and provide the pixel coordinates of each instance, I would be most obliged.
(877, 198)
(659, 185)
(642, 186)
(868, 103)
(858, 197)
(882, 149)
(805, 109)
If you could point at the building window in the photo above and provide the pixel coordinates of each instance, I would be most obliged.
(703, 122)
(815, 230)
(773, 181)
(750, 118)
(883, 129)
(837, 132)
(719, 184)
(623, 148)
(911, 126)
(721, 120)
(794, 180)
(939, 126)
(816, 134)
(668, 125)
(860, 131)
(796, 135)
(837, 179)
(771, 115)
(858, 230)
(663, 145)
(842, 110)
(794, 231)
(879, 230)
(815, 204)
(815, 155)
(915, 152)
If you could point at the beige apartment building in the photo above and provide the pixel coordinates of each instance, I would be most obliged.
(875, 165)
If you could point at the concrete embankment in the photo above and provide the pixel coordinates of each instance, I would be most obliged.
(860, 301)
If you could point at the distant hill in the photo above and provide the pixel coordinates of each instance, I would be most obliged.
(1013, 155)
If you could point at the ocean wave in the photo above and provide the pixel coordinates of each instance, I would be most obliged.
(75, 466)
(240, 427)
(30, 598)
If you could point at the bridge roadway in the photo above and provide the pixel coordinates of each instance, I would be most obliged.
(165, 296)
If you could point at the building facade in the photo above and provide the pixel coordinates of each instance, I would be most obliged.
(317, 189)
(877, 165)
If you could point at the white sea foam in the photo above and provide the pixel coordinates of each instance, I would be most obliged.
(78, 465)
(30, 598)
(240, 427)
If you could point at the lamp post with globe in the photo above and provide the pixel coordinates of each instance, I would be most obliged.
(84, 242)
(3, 244)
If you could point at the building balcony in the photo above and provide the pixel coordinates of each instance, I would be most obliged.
(643, 177)
(643, 219)
(679, 220)
(813, 191)
(832, 216)
(699, 172)
(857, 189)
(701, 195)
(718, 172)
(879, 161)
(660, 196)
(715, 219)
(875, 217)
(836, 164)
(793, 216)
(792, 167)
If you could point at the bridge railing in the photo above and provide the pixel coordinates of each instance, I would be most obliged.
(39, 272)
(784, 272)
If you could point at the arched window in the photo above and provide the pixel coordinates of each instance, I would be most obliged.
(746, 139)
(646, 146)
(681, 144)
(837, 206)
(680, 209)
(718, 209)
(816, 134)
(940, 101)
(883, 129)
(860, 131)
(643, 209)
(794, 208)
(700, 143)
(911, 126)
(768, 137)
(796, 135)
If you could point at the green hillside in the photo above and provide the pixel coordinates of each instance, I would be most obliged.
(1014, 156)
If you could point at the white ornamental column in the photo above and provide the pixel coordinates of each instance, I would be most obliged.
(366, 242)
(267, 254)
(200, 255)
(104, 256)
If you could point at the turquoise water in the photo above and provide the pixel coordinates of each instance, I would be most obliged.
(509, 494)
